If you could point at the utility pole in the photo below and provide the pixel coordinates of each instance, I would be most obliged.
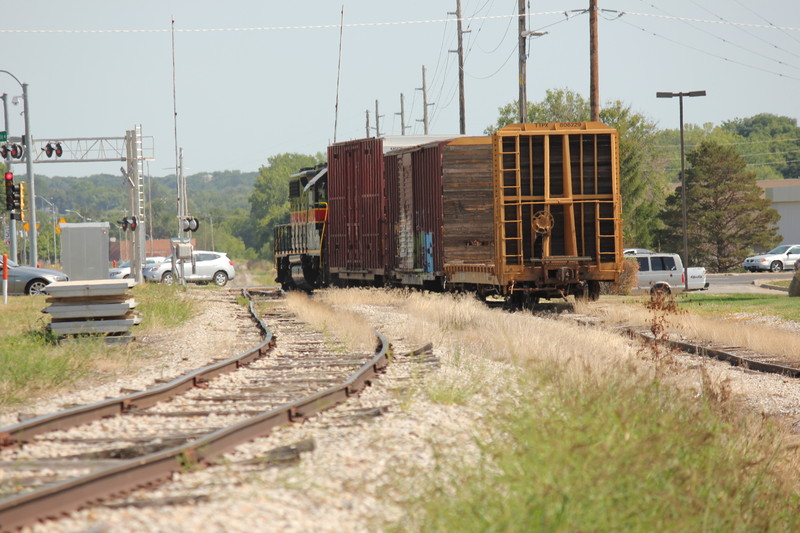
(368, 128)
(523, 74)
(425, 102)
(461, 112)
(594, 82)
(377, 121)
(402, 114)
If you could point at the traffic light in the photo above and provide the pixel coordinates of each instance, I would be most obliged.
(21, 198)
(9, 191)
(190, 224)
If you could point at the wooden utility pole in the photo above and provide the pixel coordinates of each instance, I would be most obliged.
(461, 111)
(377, 121)
(594, 82)
(425, 102)
(368, 128)
(523, 56)
(402, 114)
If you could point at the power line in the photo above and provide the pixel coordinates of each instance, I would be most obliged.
(706, 52)
(284, 28)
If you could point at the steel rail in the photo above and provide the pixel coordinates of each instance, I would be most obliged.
(69, 495)
(26, 430)
(722, 355)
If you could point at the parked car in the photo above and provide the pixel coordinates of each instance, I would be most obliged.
(664, 273)
(205, 267)
(30, 280)
(123, 270)
(781, 258)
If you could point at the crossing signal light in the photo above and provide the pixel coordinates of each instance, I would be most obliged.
(51, 149)
(4, 150)
(128, 223)
(16, 151)
(190, 224)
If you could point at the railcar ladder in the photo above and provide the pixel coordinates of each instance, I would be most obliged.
(511, 243)
(600, 238)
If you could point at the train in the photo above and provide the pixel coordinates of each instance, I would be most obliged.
(530, 212)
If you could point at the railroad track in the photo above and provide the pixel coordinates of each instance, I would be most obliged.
(56, 463)
(735, 355)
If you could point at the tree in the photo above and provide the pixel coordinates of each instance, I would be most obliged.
(726, 214)
(641, 182)
(269, 201)
(777, 139)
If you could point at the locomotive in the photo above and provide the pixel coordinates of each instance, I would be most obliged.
(532, 211)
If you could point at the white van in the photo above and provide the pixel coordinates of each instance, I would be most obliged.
(664, 272)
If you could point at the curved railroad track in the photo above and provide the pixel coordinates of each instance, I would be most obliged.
(57, 463)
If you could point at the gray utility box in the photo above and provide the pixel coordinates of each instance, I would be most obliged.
(84, 250)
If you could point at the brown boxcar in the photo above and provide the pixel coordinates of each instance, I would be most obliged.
(356, 231)
(541, 217)
(414, 194)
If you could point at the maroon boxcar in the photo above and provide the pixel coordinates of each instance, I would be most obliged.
(356, 231)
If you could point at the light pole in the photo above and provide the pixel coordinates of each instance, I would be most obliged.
(29, 167)
(683, 181)
(53, 209)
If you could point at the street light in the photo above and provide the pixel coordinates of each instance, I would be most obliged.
(72, 211)
(29, 168)
(683, 181)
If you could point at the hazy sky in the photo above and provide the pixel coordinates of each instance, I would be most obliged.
(255, 79)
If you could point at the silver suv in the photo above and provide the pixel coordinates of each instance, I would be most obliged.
(204, 267)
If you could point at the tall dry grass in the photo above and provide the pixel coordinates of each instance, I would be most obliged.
(345, 326)
(586, 431)
(731, 331)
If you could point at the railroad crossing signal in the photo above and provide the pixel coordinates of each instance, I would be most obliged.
(128, 223)
(15, 150)
(51, 149)
(190, 224)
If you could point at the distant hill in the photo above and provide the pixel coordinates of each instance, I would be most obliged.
(105, 196)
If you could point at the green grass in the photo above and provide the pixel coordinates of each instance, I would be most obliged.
(615, 458)
(32, 363)
(161, 306)
(780, 304)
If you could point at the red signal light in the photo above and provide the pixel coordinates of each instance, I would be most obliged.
(48, 150)
(59, 150)
(9, 176)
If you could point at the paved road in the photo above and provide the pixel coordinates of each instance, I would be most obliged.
(750, 282)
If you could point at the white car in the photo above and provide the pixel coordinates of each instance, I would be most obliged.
(205, 266)
(781, 258)
(123, 271)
